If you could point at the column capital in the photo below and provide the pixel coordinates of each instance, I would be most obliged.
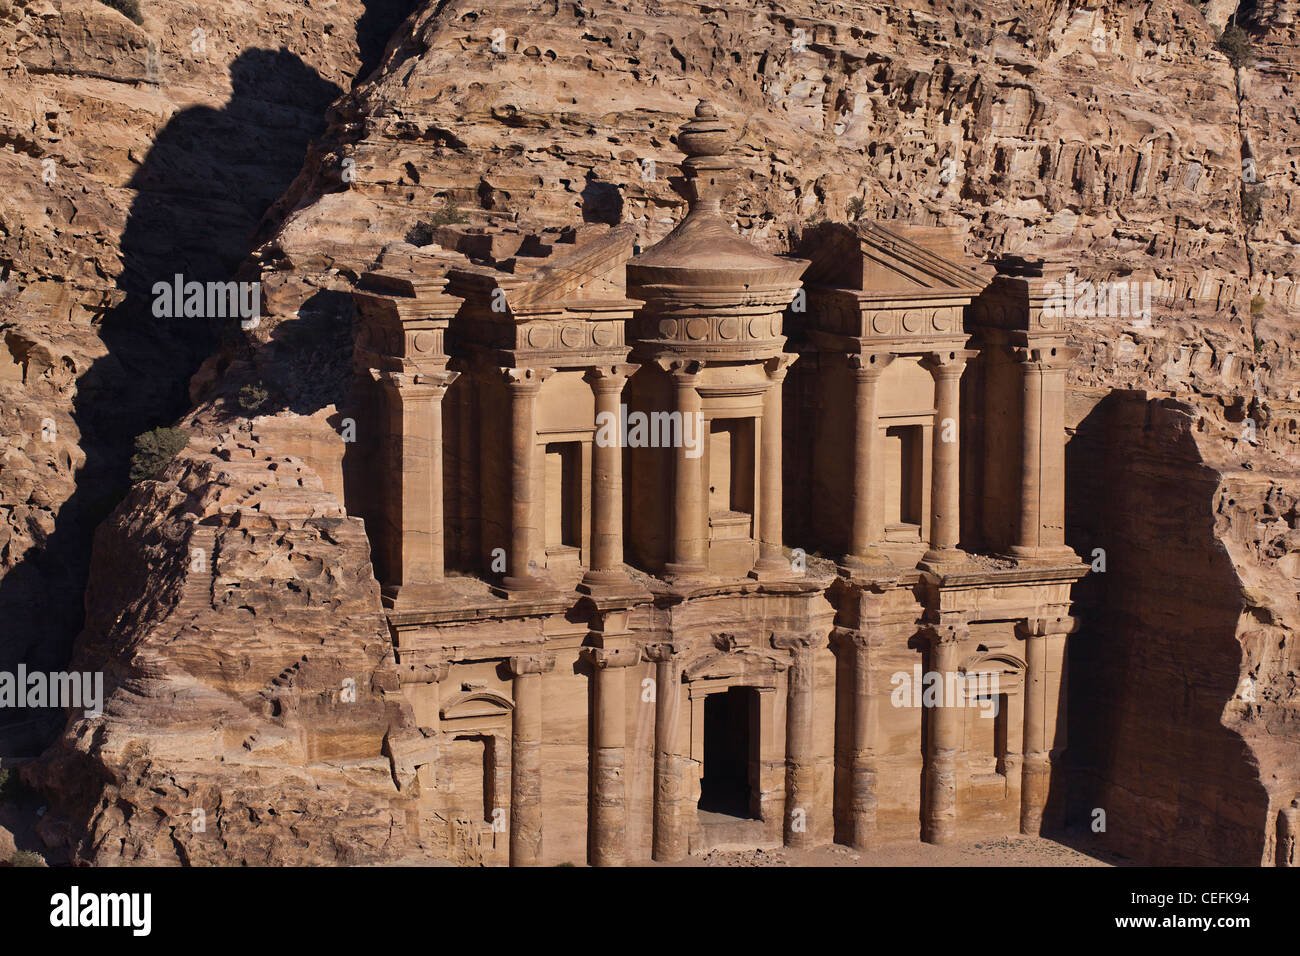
(610, 378)
(524, 378)
(948, 362)
(415, 668)
(415, 384)
(605, 658)
(858, 638)
(661, 652)
(680, 367)
(1045, 625)
(946, 634)
(1045, 358)
(522, 665)
(797, 641)
(867, 366)
(778, 365)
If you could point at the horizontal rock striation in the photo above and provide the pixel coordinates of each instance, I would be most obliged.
(1114, 140)
(252, 712)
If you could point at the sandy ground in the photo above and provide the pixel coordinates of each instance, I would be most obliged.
(994, 851)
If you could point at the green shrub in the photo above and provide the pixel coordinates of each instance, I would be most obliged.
(856, 208)
(253, 397)
(154, 450)
(1250, 207)
(1257, 305)
(422, 233)
(128, 8)
(26, 858)
(1235, 44)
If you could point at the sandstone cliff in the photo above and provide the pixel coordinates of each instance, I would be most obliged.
(1113, 138)
(130, 153)
(250, 684)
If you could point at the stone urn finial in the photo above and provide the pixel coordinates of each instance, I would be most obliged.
(704, 136)
(706, 173)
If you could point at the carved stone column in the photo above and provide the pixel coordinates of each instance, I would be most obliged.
(939, 819)
(867, 517)
(606, 570)
(945, 487)
(607, 823)
(526, 759)
(800, 756)
(525, 519)
(860, 646)
(416, 509)
(1041, 531)
(689, 558)
(669, 835)
(771, 556)
(1044, 732)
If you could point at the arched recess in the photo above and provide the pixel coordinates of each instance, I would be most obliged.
(994, 718)
(739, 677)
(474, 775)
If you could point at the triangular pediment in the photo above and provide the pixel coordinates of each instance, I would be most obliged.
(593, 270)
(900, 260)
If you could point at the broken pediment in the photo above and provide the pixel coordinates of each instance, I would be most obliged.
(901, 260)
(591, 270)
(476, 703)
(745, 665)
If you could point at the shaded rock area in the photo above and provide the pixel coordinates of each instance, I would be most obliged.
(1183, 698)
(130, 154)
(251, 692)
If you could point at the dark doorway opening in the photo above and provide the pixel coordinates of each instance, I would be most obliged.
(729, 740)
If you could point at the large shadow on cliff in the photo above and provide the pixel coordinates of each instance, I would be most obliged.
(377, 25)
(203, 188)
(1156, 660)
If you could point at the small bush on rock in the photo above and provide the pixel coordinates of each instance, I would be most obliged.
(422, 233)
(1250, 207)
(154, 450)
(1234, 43)
(253, 397)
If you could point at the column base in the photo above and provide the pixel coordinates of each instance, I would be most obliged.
(1035, 785)
(686, 573)
(938, 835)
(773, 569)
(944, 560)
(612, 586)
(406, 597)
(872, 562)
(609, 579)
(1050, 555)
(525, 586)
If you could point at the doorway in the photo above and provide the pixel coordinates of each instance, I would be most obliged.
(729, 742)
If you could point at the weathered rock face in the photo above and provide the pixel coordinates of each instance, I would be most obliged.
(131, 153)
(1112, 137)
(250, 692)
(1183, 704)
(1116, 140)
